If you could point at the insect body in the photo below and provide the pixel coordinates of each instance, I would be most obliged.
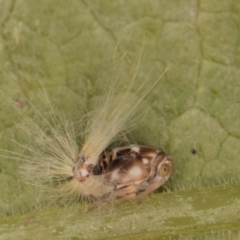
(68, 173)
(124, 172)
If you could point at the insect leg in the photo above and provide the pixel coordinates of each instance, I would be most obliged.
(124, 194)
(152, 187)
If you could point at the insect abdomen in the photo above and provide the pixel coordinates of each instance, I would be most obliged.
(133, 170)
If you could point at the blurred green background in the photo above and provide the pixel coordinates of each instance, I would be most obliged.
(193, 113)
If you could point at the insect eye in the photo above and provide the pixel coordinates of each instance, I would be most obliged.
(165, 169)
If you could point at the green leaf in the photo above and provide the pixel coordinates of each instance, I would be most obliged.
(193, 112)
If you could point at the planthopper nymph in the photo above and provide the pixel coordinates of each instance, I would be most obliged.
(124, 172)
(55, 161)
